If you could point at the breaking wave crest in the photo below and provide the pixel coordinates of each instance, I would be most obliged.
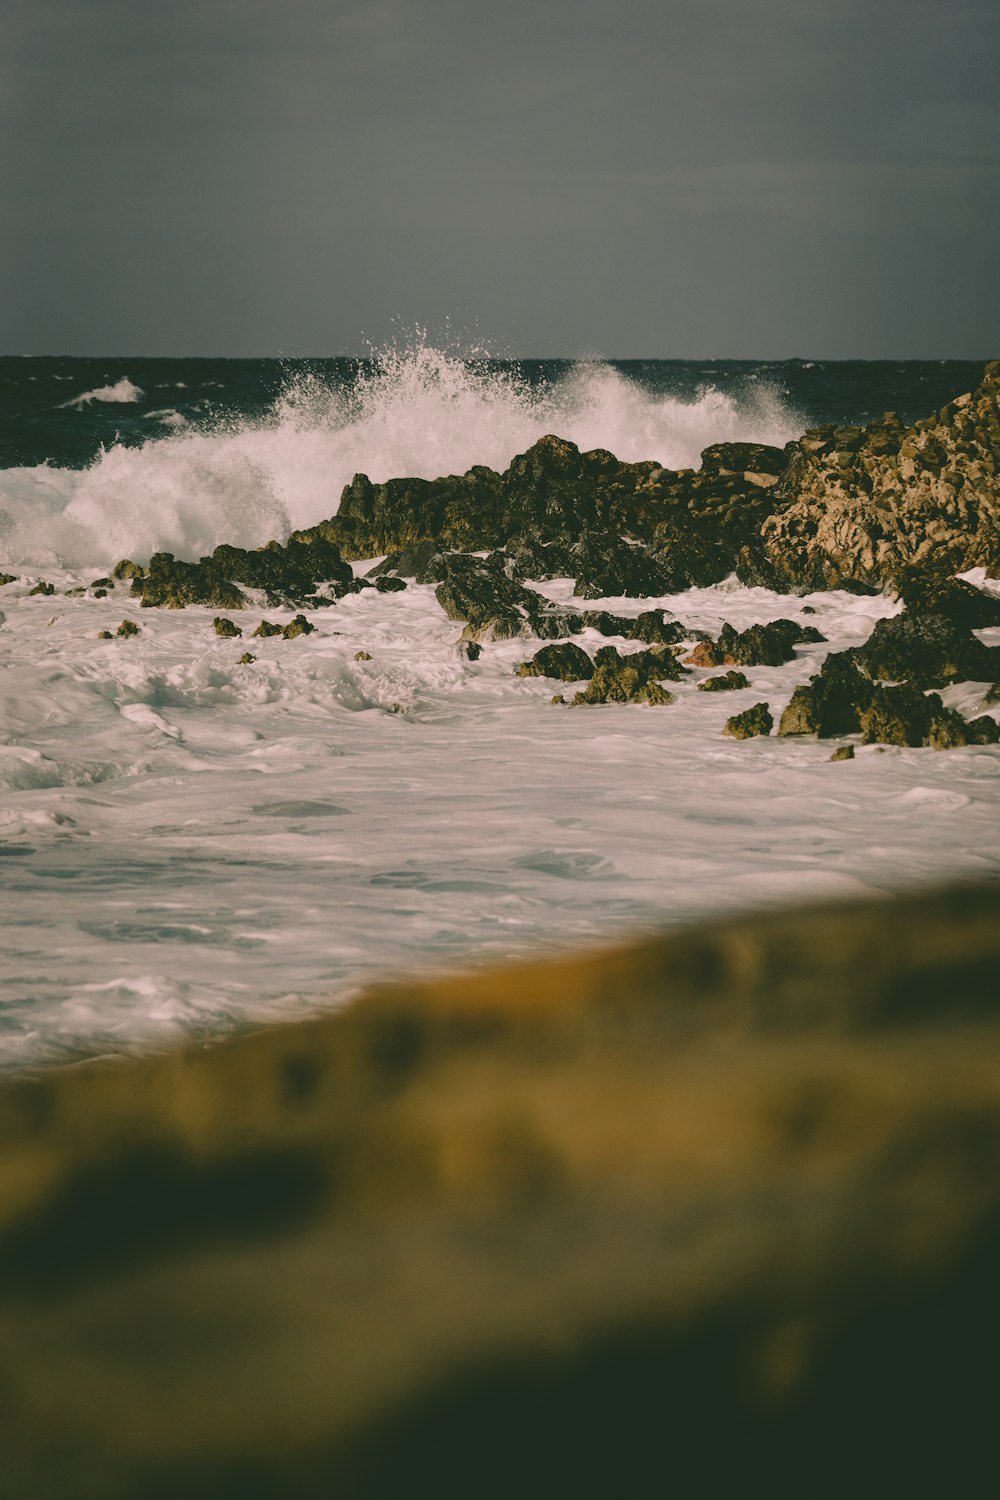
(415, 411)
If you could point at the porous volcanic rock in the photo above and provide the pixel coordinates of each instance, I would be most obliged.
(865, 506)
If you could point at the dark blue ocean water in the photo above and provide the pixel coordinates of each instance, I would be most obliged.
(44, 420)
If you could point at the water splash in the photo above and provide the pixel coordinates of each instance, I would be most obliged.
(412, 410)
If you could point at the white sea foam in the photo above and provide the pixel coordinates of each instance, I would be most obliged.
(187, 843)
(123, 391)
(419, 412)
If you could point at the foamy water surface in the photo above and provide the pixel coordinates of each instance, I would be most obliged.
(188, 844)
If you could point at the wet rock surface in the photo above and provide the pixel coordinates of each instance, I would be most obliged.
(751, 723)
(737, 1180)
(871, 506)
(729, 682)
(768, 645)
(632, 678)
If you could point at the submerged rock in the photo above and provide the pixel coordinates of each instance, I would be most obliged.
(247, 659)
(266, 629)
(361, 656)
(751, 723)
(843, 752)
(127, 628)
(6, 578)
(226, 628)
(43, 588)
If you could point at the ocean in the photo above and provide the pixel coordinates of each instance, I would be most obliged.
(189, 844)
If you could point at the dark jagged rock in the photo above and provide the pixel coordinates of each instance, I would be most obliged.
(299, 626)
(751, 723)
(127, 569)
(843, 752)
(528, 558)
(758, 462)
(927, 650)
(127, 628)
(634, 678)
(423, 562)
(266, 629)
(361, 656)
(286, 574)
(897, 716)
(967, 607)
(100, 593)
(105, 635)
(226, 628)
(169, 584)
(606, 566)
(949, 731)
(867, 505)
(832, 702)
(569, 663)
(729, 682)
(471, 650)
(247, 659)
(551, 496)
(103, 583)
(43, 588)
(496, 606)
(759, 646)
(6, 578)
(387, 583)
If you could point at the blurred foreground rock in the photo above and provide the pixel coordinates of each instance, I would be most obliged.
(712, 1212)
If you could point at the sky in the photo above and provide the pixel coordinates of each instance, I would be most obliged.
(627, 178)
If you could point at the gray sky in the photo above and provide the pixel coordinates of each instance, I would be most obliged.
(687, 178)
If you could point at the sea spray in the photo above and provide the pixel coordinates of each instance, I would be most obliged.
(416, 411)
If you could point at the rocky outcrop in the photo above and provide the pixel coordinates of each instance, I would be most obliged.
(926, 650)
(635, 678)
(550, 1230)
(843, 698)
(552, 496)
(869, 506)
(758, 646)
(751, 723)
(568, 663)
(287, 575)
(729, 682)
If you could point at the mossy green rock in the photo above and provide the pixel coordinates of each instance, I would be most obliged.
(568, 663)
(127, 628)
(267, 629)
(633, 678)
(751, 723)
(729, 682)
(299, 626)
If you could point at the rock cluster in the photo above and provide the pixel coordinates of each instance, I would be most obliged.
(759, 646)
(870, 506)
